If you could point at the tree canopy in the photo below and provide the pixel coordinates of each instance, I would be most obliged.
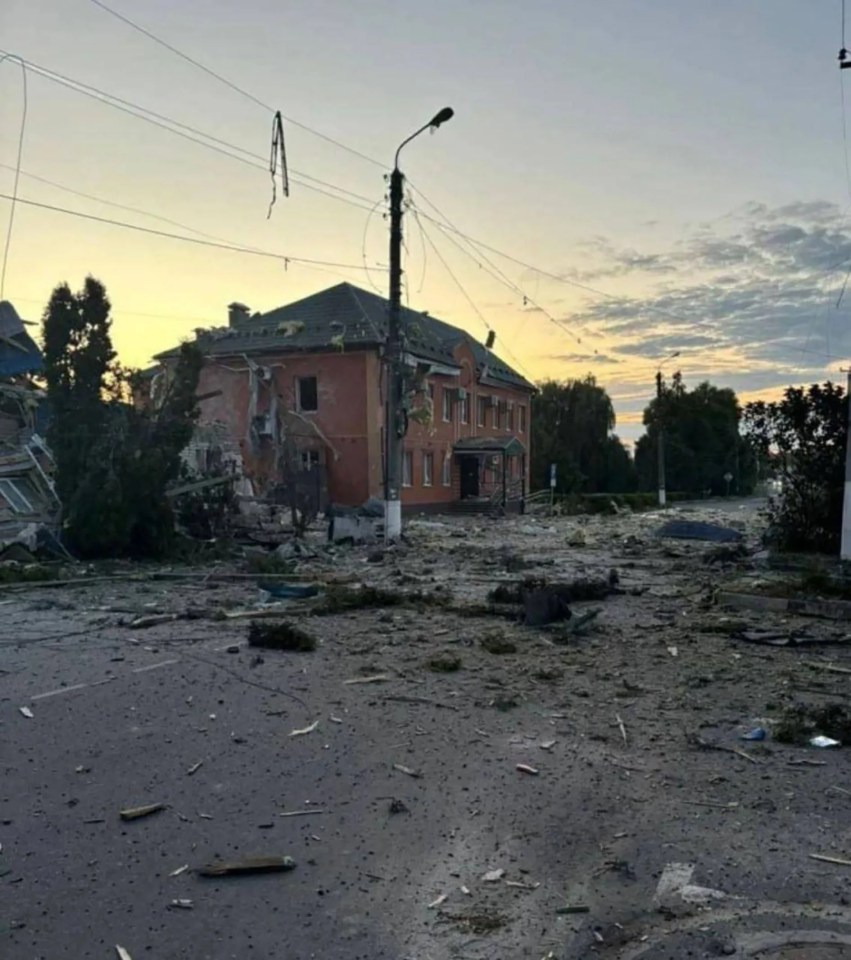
(572, 424)
(803, 436)
(701, 439)
(114, 462)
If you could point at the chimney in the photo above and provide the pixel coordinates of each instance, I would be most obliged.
(490, 340)
(237, 314)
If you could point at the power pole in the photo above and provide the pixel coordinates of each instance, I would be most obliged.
(845, 546)
(395, 419)
(394, 427)
(660, 441)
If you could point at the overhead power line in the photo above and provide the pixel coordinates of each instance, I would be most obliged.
(193, 134)
(17, 169)
(176, 236)
(233, 86)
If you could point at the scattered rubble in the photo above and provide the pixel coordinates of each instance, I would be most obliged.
(135, 813)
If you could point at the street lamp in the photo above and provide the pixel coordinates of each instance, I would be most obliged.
(394, 417)
(660, 435)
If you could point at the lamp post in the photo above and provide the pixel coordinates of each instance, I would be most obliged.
(660, 434)
(395, 424)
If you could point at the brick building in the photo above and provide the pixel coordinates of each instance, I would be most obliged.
(300, 390)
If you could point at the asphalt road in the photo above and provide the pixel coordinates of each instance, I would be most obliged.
(123, 717)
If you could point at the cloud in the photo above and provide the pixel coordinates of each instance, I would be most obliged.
(584, 358)
(759, 286)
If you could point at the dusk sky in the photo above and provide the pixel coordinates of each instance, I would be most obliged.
(673, 175)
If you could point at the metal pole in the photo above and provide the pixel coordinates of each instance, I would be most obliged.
(845, 547)
(660, 442)
(393, 415)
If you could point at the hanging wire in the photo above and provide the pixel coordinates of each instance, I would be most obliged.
(279, 152)
(14, 197)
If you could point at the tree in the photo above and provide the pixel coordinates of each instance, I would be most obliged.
(803, 436)
(572, 423)
(114, 462)
(702, 441)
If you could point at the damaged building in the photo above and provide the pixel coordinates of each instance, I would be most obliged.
(298, 393)
(29, 508)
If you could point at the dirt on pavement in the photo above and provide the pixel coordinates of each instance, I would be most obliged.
(450, 782)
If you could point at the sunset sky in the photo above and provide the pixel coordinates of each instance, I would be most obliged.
(665, 175)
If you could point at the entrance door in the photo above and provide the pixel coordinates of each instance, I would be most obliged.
(468, 468)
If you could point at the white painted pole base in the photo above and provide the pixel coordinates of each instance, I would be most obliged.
(845, 548)
(662, 500)
(392, 519)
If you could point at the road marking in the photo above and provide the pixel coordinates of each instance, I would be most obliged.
(155, 666)
(54, 693)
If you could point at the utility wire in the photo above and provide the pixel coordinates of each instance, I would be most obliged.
(14, 197)
(466, 295)
(233, 86)
(186, 131)
(176, 236)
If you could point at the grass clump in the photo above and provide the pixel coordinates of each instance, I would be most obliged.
(498, 645)
(280, 636)
(445, 663)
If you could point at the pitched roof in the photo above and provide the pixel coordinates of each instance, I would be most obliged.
(351, 317)
(19, 353)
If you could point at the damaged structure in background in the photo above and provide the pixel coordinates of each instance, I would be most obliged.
(296, 397)
(30, 512)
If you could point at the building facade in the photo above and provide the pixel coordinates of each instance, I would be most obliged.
(300, 390)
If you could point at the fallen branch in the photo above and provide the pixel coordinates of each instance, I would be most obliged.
(401, 698)
(134, 813)
(378, 678)
(225, 868)
(825, 859)
(830, 667)
(301, 813)
(622, 728)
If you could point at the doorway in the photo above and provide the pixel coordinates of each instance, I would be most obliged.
(468, 468)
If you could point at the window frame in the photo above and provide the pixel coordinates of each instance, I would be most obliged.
(298, 395)
(481, 410)
(408, 468)
(428, 468)
(17, 494)
(446, 405)
(521, 418)
(446, 472)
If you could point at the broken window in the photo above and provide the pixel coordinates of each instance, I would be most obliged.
(14, 496)
(309, 459)
(482, 411)
(307, 394)
(446, 473)
(497, 414)
(509, 417)
(463, 407)
(407, 469)
(428, 469)
(521, 417)
(447, 405)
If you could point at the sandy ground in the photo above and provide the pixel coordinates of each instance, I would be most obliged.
(583, 849)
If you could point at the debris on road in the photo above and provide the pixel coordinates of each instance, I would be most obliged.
(437, 902)
(280, 636)
(694, 530)
(181, 904)
(304, 730)
(573, 908)
(301, 813)
(525, 768)
(758, 733)
(398, 806)
(27, 712)
(493, 876)
(407, 770)
(824, 742)
(179, 870)
(826, 859)
(122, 953)
(194, 768)
(622, 728)
(547, 744)
(376, 678)
(153, 620)
(444, 664)
(134, 813)
(226, 868)
(802, 724)
(497, 645)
